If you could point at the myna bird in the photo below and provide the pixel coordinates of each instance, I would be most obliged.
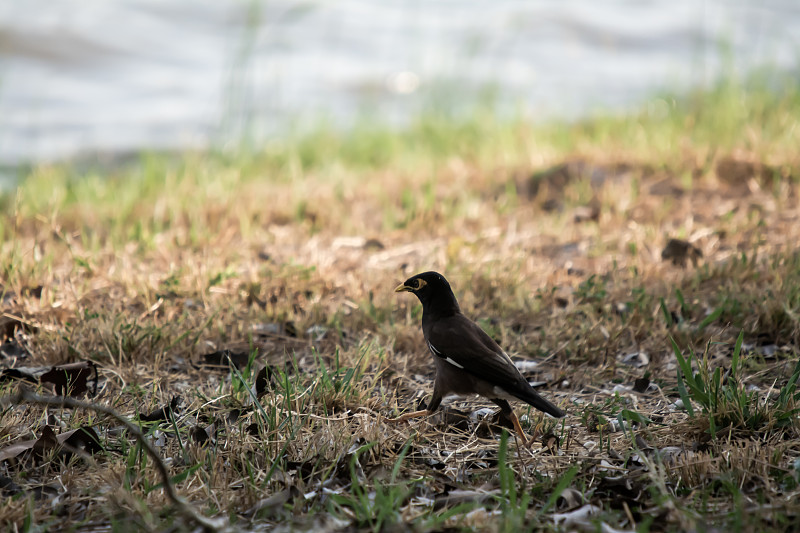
(467, 360)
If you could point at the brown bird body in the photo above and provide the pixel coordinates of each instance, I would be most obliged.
(467, 360)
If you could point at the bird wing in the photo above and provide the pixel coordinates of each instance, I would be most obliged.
(464, 344)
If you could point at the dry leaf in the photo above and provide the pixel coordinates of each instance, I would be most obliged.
(71, 378)
(162, 413)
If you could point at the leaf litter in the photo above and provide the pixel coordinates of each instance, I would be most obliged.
(265, 398)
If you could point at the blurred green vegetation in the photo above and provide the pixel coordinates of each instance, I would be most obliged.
(759, 114)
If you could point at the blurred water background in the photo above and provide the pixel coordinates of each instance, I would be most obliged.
(100, 78)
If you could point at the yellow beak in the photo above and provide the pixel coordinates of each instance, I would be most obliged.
(403, 288)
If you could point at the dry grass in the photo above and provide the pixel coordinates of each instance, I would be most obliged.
(293, 261)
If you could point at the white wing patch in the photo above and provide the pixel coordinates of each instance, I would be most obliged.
(506, 356)
(452, 362)
(437, 353)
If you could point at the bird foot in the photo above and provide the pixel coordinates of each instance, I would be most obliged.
(526, 442)
(533, 437)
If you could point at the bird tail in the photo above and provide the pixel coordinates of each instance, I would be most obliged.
(533, 398)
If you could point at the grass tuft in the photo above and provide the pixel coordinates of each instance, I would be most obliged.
(727, 406)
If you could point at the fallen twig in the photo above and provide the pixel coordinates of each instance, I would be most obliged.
(183, 507)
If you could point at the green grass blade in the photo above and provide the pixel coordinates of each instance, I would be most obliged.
(400, 459)
(715, 314)
(682, 373)
(666, 313)
(735, 357)
(176, 478)
(563, 483)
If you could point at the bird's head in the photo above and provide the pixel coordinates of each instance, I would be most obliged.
(433, 291)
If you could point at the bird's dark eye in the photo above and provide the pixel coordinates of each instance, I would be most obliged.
(420, 283)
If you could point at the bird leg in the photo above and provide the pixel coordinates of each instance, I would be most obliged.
(505, 409)
(407, 416)
(518, 429)
(436, 401)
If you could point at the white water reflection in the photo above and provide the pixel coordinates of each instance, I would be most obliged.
(99, 76)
